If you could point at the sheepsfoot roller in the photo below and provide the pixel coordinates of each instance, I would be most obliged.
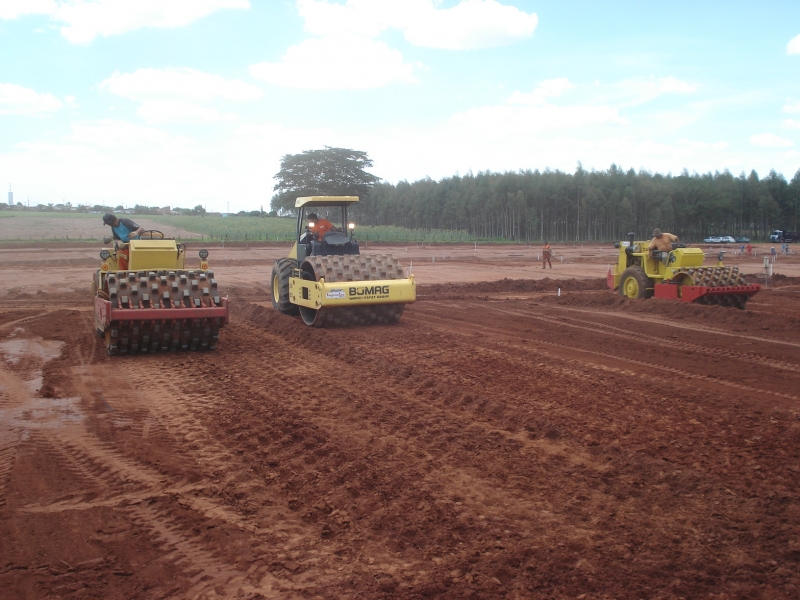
(677, 275)
(327, 281)
(156, 304)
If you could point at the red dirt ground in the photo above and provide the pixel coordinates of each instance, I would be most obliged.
(499, 442)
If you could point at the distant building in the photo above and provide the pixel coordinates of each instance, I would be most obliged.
(10, 196)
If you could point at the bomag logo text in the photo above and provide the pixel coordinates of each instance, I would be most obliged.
(369, 290)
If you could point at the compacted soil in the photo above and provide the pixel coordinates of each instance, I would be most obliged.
(500, 441)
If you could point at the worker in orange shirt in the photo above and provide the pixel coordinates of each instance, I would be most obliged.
(319, 226)
(661, 241)
(546, 252)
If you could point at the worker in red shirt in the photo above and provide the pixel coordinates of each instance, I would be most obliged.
(319, 226)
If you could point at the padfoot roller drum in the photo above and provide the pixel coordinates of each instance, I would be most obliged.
(722, 282)
(157, 311)
(345, 269)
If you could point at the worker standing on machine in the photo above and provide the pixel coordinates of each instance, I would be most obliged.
(547, 251)
(661, 241)
(319, 226)
(122, 230)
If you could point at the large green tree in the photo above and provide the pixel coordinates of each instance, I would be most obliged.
(326, 172)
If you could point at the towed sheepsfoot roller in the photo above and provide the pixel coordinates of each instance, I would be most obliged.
(328, 281)
(156, 304)
(677, 275)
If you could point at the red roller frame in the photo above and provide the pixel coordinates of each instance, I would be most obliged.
(106, 314)
(690, 293)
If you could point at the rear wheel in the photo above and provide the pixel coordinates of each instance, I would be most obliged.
(635, 284)
(281, 272)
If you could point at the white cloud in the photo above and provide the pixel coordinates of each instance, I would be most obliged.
(472, 24)
(671, 85)
(181, 112)
(109, 133)
(635, 92)
(550, 88)
(770, 140)
(130, 164)
(793, 47)
(792, 107)
(533, 119)
(178, 83)
(84, 20)
(18, 100)
(342, 62)
(346, 54)
(469, 24)
(791, 124)
(11, 9)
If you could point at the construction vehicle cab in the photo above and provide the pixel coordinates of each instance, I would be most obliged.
(677, 274)
(331, 243)
(328, 281)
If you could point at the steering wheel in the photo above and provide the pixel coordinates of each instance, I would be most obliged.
(151, 235)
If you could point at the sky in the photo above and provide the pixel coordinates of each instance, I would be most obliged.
(187, 102)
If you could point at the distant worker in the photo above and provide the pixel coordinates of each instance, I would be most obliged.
(319, 226)
(546, 253)
(661, 241)
(122, 229)
(749, 249)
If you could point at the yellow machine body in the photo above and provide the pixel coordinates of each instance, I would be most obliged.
(677, 274)
(319, 294)
(147, 255)
(657, 270)
(326, 279)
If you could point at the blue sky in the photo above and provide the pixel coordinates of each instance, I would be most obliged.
(186, 102)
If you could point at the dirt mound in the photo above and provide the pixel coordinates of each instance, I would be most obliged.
(505, 286)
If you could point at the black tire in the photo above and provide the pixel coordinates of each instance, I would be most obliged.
(635, 284)
(281, 272)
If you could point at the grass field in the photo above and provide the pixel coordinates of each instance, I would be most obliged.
(49, 226)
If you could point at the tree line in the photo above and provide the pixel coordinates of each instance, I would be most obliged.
(550, 204)
(589, 205)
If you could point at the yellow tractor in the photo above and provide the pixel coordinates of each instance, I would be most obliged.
(677, 275)
(328, 281)
(146, 300)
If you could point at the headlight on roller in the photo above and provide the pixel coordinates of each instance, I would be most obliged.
(104, 254)
(351, 225)
(203, 254)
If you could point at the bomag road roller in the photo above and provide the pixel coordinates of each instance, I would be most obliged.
(326, 279)
(677, 275)
(146, 300)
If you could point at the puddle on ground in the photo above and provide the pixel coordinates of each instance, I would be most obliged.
(15, 349)
(20, 410)
(38, 413)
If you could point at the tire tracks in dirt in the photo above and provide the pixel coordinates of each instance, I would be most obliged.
(647, 343)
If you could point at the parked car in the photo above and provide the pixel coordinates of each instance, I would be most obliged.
(743, 240)
(712, 240)
(727, 239)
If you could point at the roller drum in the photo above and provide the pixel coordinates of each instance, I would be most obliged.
(336, 269)
(130, 290)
